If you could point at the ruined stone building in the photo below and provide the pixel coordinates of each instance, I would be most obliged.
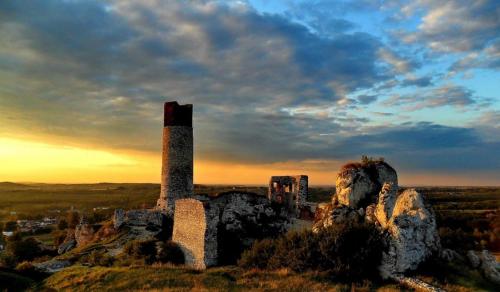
(291, 191)
(177, 155)
(215, 230)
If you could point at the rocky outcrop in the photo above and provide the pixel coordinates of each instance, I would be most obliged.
(412, 235)
(368, 192)
(486, 263)
(68, 244)
(337, 215)
(84, 234)
(358, 184)
(385, 204)
(52, 266)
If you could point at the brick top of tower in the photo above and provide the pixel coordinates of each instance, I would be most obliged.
(178, 115)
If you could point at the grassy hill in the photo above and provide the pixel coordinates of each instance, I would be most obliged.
(182, 279)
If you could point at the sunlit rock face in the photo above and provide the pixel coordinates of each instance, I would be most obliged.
(412, 234)
(368, 192)
(358, 184)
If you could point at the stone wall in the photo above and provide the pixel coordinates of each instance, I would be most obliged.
(195, 230)
(214, 231)
(177, 156)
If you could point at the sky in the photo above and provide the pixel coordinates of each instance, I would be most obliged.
(278, 87)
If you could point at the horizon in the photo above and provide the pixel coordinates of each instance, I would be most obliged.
(282, 88)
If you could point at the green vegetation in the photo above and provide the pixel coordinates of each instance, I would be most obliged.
(182, 279)
(345, 251)
(468, 218)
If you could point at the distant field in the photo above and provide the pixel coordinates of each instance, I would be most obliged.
(468, 217)
(49, 199)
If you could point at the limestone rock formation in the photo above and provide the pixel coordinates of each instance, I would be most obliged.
(369, 192)
(358, 184)
(337, 215)
(69, 242)
(84, 234)
(486, 263)
(385, 204)
(412, 234)
(52, 266)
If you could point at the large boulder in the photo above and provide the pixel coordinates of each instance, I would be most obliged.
(339, 214)
(486, 263)
(358, 184)
(412, 235)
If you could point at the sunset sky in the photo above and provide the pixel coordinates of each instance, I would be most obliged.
(278, 87)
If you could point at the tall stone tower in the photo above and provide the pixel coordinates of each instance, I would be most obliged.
(177, 155)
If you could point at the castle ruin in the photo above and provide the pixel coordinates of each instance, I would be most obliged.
(290, 191)
(177, 156)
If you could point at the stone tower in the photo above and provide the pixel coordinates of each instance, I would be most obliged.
(177, 156)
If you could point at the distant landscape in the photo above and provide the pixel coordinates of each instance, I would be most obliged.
(467, 218)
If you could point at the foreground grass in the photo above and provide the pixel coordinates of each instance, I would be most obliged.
(182, 279)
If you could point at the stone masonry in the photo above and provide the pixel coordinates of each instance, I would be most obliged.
(177, 156)
(291, 191)
(195, 230)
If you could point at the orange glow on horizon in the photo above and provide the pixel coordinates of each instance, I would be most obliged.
(33, 161)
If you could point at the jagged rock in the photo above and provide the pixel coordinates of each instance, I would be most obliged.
(474, 260)
(118, 218)
(52, 266)
(385, 205)
(486, 263)
(450, 255)
(66, 246)
(412, 235)
(84, 234)
(338, 215)
(370, 214)
(69, 242)
(358, 184)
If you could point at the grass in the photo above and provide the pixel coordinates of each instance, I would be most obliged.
(183, 279)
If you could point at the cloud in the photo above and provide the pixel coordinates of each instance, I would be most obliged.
(446, 95)
(103, 69)
(265, 88)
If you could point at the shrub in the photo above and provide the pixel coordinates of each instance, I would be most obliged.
(170, 252)
(345, 250)
(28, 270)
(259, 255)
(24, 249)
(99, 258)
(142, 249)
